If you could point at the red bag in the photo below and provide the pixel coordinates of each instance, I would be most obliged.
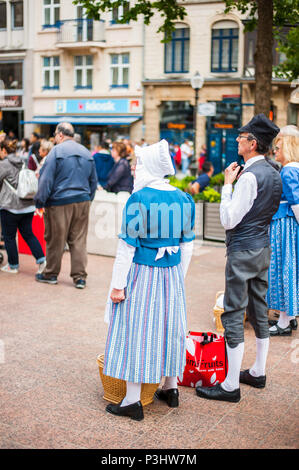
(38, 228)
(206, 361)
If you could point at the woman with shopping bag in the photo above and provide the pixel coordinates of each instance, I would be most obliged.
(147, 312)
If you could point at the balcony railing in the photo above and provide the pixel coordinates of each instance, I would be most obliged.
(81, 30)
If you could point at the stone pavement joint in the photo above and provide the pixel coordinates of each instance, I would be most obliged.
(51, 394)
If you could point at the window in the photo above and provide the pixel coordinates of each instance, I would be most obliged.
(51, 73)
(51, 12)
(118, 12)
(17, 17)
(177, 52)
(120, 64)
(11, 73)
(83, 71)
(225, 47)
(3, 15)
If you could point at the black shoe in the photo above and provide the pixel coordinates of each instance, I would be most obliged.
(248, 379)
(48, 280)
(293, 323)
(134, 411)
(218, 393)
(281, 331)
(171, 396)
(80, 284)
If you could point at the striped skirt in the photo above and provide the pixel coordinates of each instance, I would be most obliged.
(147, 331)
(283, 292)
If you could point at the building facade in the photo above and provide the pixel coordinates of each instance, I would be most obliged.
(213, 43)
(86, 72)
(16, 65)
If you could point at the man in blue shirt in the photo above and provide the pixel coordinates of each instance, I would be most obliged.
(203, 179)
(67, 184)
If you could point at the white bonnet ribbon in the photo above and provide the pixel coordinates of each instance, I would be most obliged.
(169, 249)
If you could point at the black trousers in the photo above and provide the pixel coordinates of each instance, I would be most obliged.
(246, 285)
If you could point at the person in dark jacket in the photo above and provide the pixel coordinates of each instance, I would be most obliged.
(67, 184)
(120, 177)
(203, 179)
(104, 162)
(16, 213)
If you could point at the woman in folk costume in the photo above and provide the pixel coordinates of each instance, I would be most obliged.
(147, 311)
(283, 293)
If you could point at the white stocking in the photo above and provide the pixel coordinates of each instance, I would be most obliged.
(234, 356)
(170, 382)
(259, 367)
(133, 394)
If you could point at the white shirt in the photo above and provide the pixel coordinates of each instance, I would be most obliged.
(235, 205)
(186, 151)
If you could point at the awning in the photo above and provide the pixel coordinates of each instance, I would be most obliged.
(85, 120)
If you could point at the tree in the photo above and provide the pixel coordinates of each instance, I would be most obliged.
(268, 17)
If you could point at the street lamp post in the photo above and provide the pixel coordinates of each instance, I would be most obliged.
(197, 82)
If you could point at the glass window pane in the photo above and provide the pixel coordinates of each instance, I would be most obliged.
(47, 2)
(56, 15)
(216, 33)
(115, 14)
(2, 15)
(168, 59)
(89, 60)
(17, 14)
(186, 56)
(215, 56)
(56, 61)
(225, 54)
(46, 61)
(57, 1)
(125, 76)
(56, 78)
(114, 76)
(125, 58)
(47, 78)
(89, 78)
(235, 53)
(79, 77)
(47, 19)
(178, 56)
(78, 60)
(114, 59)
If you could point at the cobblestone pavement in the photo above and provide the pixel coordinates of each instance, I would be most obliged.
(50, 389)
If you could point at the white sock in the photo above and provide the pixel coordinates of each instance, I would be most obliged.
(259, 367)
(170, 382)
(132, 395)
(284, 320)
(234, 356)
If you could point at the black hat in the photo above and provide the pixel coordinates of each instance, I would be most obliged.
(262, 128)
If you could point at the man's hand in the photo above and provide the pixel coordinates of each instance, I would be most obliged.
(231, 173)
(117, 295)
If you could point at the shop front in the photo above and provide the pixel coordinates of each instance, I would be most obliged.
(95, 119)
(11, 97)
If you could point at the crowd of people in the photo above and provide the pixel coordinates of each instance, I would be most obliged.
(146, 309)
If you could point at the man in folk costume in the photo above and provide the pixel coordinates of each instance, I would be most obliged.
(246, 214)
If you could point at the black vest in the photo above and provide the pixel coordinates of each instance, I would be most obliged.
(252, 232)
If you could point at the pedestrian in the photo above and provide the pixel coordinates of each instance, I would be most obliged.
(246, 215)
(44, 149)
(147, 312)
(283, 292)
(104, 162)
(67, 185)
(186, 153)
(119, 178)
(16, 213)
(203, 180)
(202, 156)
(34, 158)
(24, 150)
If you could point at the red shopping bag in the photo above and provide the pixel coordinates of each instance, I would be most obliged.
(38, 228)
(206, 361)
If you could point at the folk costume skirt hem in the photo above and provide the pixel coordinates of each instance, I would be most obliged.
(147, 331)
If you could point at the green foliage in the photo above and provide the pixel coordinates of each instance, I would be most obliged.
(285, 13)
(208, 195)
(217, 180)
(169, 10)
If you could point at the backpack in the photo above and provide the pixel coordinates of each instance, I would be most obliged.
(27, 184)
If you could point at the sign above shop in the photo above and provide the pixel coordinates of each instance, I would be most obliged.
(207, 109)
(98, 106)
(10, 101)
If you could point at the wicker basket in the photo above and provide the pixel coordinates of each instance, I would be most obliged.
(115, 389)
(218, 312)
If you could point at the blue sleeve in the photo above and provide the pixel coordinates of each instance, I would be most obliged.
(93, 181)
(188, 220)
(290, 184)
(133, 222)
(115, 176)
(46, 180)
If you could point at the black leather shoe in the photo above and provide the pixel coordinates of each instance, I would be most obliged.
(47, 280)
(134, 411)
(171, 396)
(248, 379)
(281, 331)
(218, 393)
(293, 323)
